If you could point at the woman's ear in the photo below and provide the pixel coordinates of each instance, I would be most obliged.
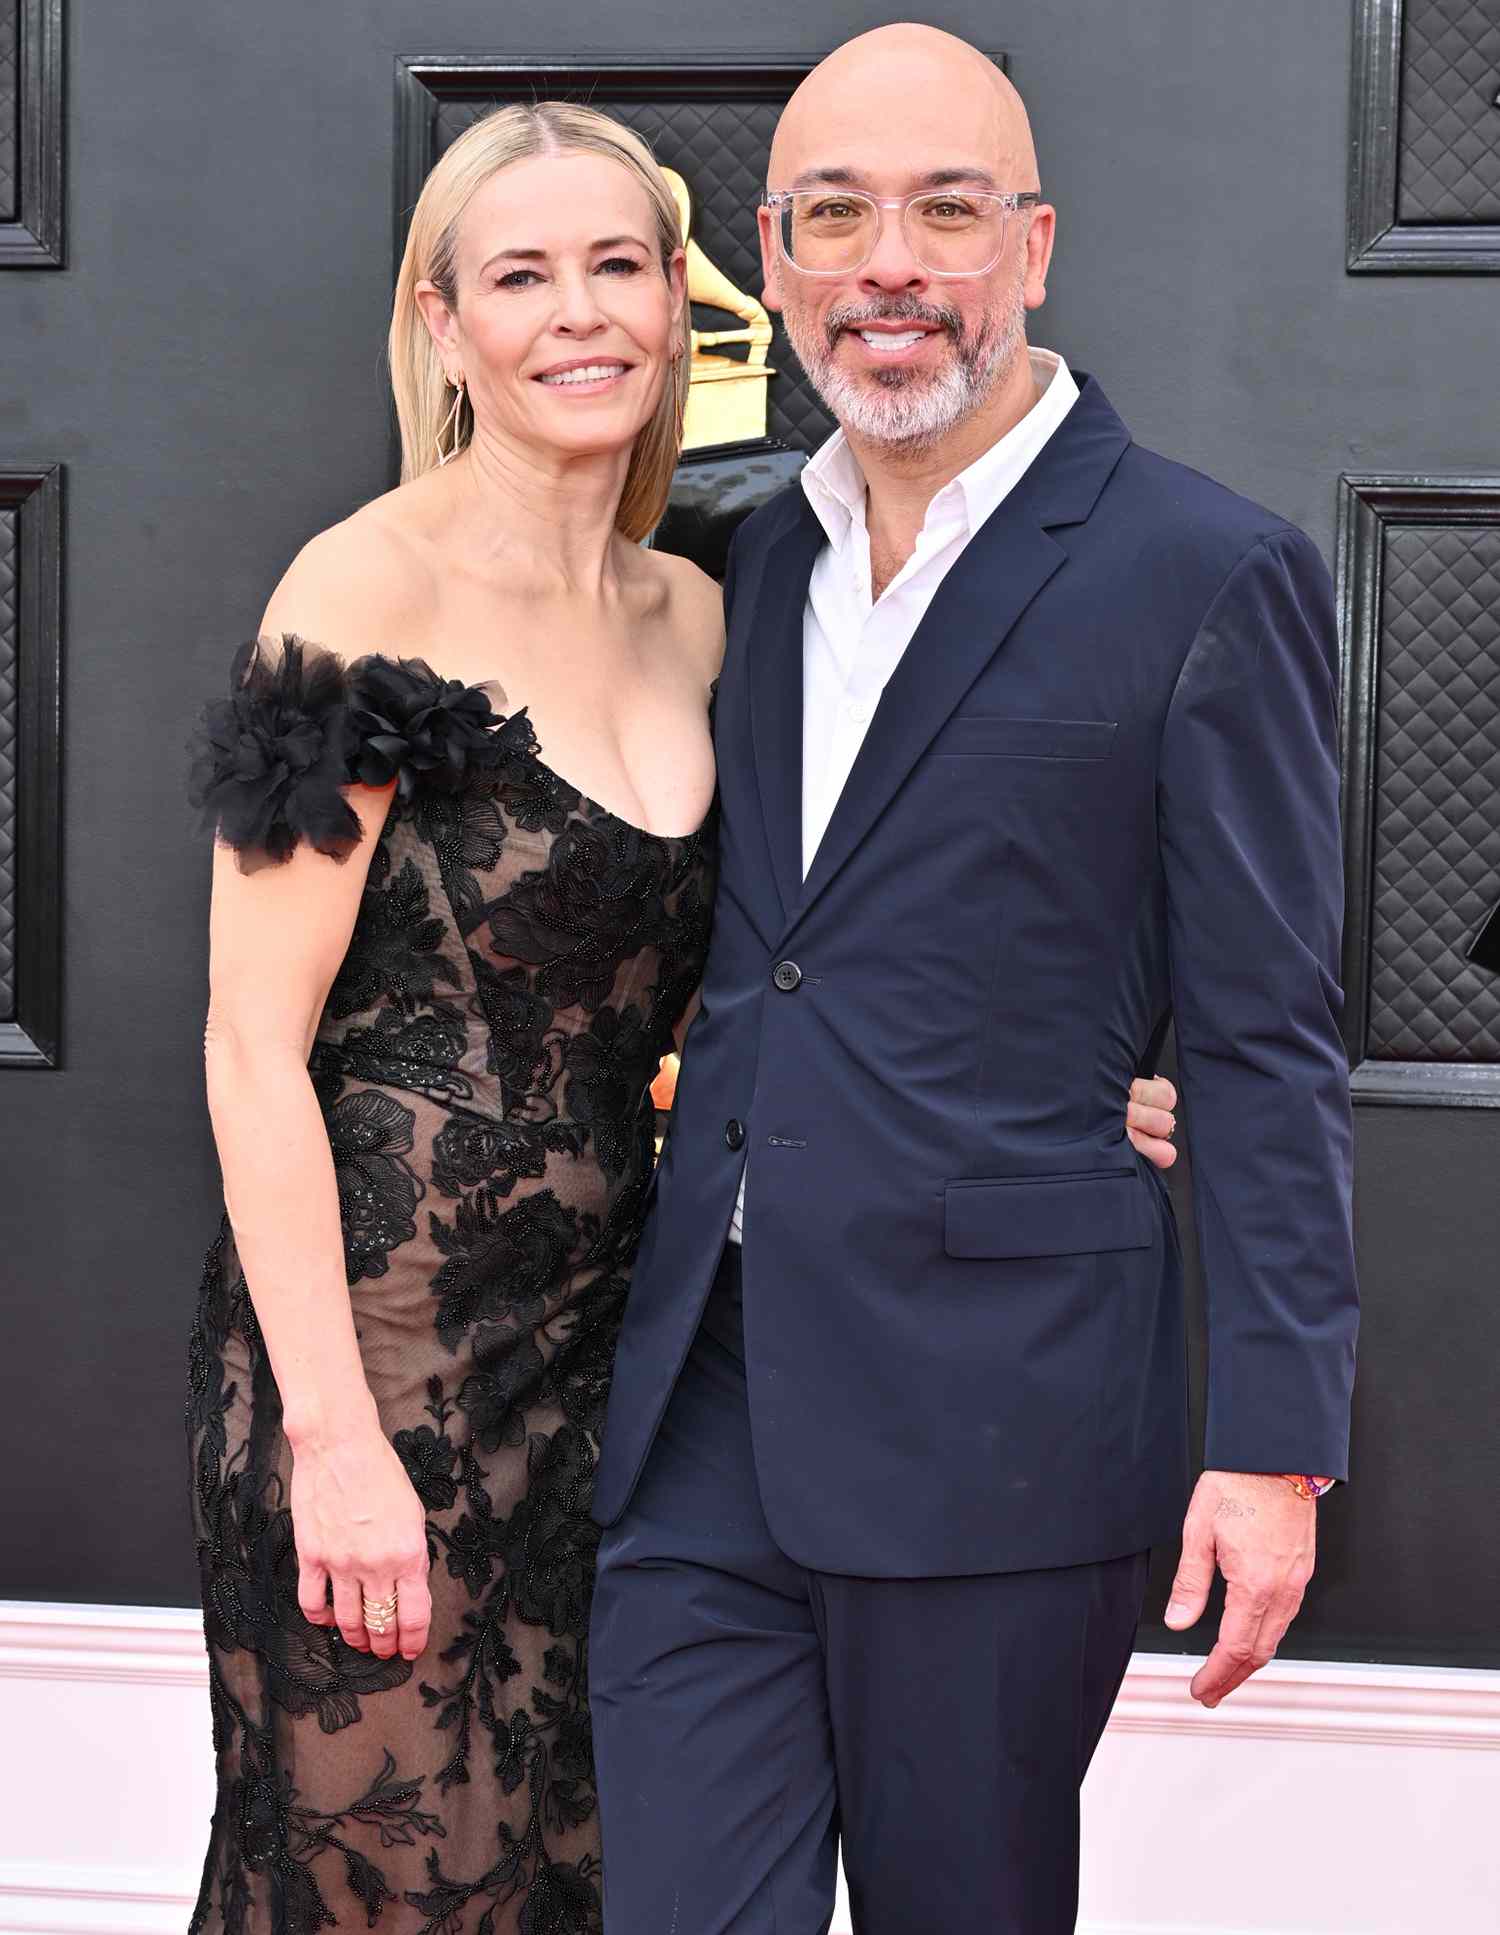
(441, 324)
(677, 282)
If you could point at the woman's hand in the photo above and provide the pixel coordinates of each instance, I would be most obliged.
(360, 1526)
(1149, 1120)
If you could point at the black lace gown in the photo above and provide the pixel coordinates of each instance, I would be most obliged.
(483, 1062)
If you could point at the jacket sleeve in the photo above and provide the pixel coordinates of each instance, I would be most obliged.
(1248, 814)
(729, 566)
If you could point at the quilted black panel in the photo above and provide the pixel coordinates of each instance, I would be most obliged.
(9, 654)
(10, 61)
(1450, 122)
(1437, 796)
(720, 149)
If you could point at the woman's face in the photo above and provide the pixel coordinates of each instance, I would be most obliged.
(566, 321)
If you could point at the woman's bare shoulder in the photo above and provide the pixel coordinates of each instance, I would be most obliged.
(695, 609)
(358, 586)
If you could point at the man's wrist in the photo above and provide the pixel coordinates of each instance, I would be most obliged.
(1305, 1485)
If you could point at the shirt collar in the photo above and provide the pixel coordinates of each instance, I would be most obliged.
(835, 486)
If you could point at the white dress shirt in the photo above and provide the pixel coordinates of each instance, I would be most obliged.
(852, 644)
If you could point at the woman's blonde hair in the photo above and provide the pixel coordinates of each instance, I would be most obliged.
(423, 396)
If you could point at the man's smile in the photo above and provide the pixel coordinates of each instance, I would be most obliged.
(892, 342)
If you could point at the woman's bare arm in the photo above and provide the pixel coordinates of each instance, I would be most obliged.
(278, 935)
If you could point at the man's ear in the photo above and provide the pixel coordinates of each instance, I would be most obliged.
(770, 259)
(1041, 233)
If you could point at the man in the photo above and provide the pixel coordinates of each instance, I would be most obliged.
(1027, 745)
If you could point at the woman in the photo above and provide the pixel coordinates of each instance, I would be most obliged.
(429, 1064)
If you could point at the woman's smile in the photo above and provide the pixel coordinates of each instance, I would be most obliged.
(579, 376)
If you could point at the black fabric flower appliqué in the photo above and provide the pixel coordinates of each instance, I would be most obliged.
(396, 952)
(609, 1069)
(517, 1019)
(536, 798)
(269, 761)
(429, 1459)
(501, 1265)
(498, 1154)
(592, 906)
(509, 1373)
(420, 1054)
(412, 726)
(370, 1135)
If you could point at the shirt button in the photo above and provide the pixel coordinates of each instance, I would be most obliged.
(734, 1133)
(858, 713)
(787, 976)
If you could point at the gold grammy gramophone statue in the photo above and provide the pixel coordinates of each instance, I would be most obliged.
(726, 397)
(731, 463)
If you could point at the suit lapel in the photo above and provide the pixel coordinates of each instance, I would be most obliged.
(1003, 567)
(775, 655)
(972, 611)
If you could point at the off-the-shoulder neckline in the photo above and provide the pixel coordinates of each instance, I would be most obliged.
(534, 750)
(534, 754)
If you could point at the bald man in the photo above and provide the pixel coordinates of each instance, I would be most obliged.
(1027, 745)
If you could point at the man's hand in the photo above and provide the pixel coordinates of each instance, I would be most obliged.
(1263, 1538)
(1149, 1121)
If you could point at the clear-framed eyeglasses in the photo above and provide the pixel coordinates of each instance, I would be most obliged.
(950, 231)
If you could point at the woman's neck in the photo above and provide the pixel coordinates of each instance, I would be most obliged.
(546, 520)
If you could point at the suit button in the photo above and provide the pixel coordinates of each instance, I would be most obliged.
(787, 975)
(734, 1133)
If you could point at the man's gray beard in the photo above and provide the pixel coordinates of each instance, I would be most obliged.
(901, 408)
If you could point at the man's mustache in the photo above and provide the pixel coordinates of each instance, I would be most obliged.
(898, 309)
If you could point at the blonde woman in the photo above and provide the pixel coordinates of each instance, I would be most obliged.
(461, 902)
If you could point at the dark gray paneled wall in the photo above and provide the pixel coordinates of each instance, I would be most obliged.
(208, 368)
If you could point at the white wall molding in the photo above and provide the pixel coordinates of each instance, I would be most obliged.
(128, 1645)
(50, 1898)
(1311, 1763)
(1378, 1706)
(1412, 1706)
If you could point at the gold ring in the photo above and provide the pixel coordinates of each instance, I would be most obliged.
(378, 1613)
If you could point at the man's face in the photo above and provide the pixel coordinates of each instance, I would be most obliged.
(899, 353)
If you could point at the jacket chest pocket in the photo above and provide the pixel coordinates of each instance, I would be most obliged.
(1063, 742)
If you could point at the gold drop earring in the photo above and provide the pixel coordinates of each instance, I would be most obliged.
(450, 422)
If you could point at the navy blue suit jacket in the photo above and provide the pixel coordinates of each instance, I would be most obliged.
(1100, 790)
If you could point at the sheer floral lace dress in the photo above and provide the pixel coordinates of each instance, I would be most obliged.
(483, 1063)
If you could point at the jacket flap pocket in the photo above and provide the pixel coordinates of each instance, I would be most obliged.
(1026, 738)
(1047, 1215)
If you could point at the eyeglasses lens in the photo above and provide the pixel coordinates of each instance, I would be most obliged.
(827, 233)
